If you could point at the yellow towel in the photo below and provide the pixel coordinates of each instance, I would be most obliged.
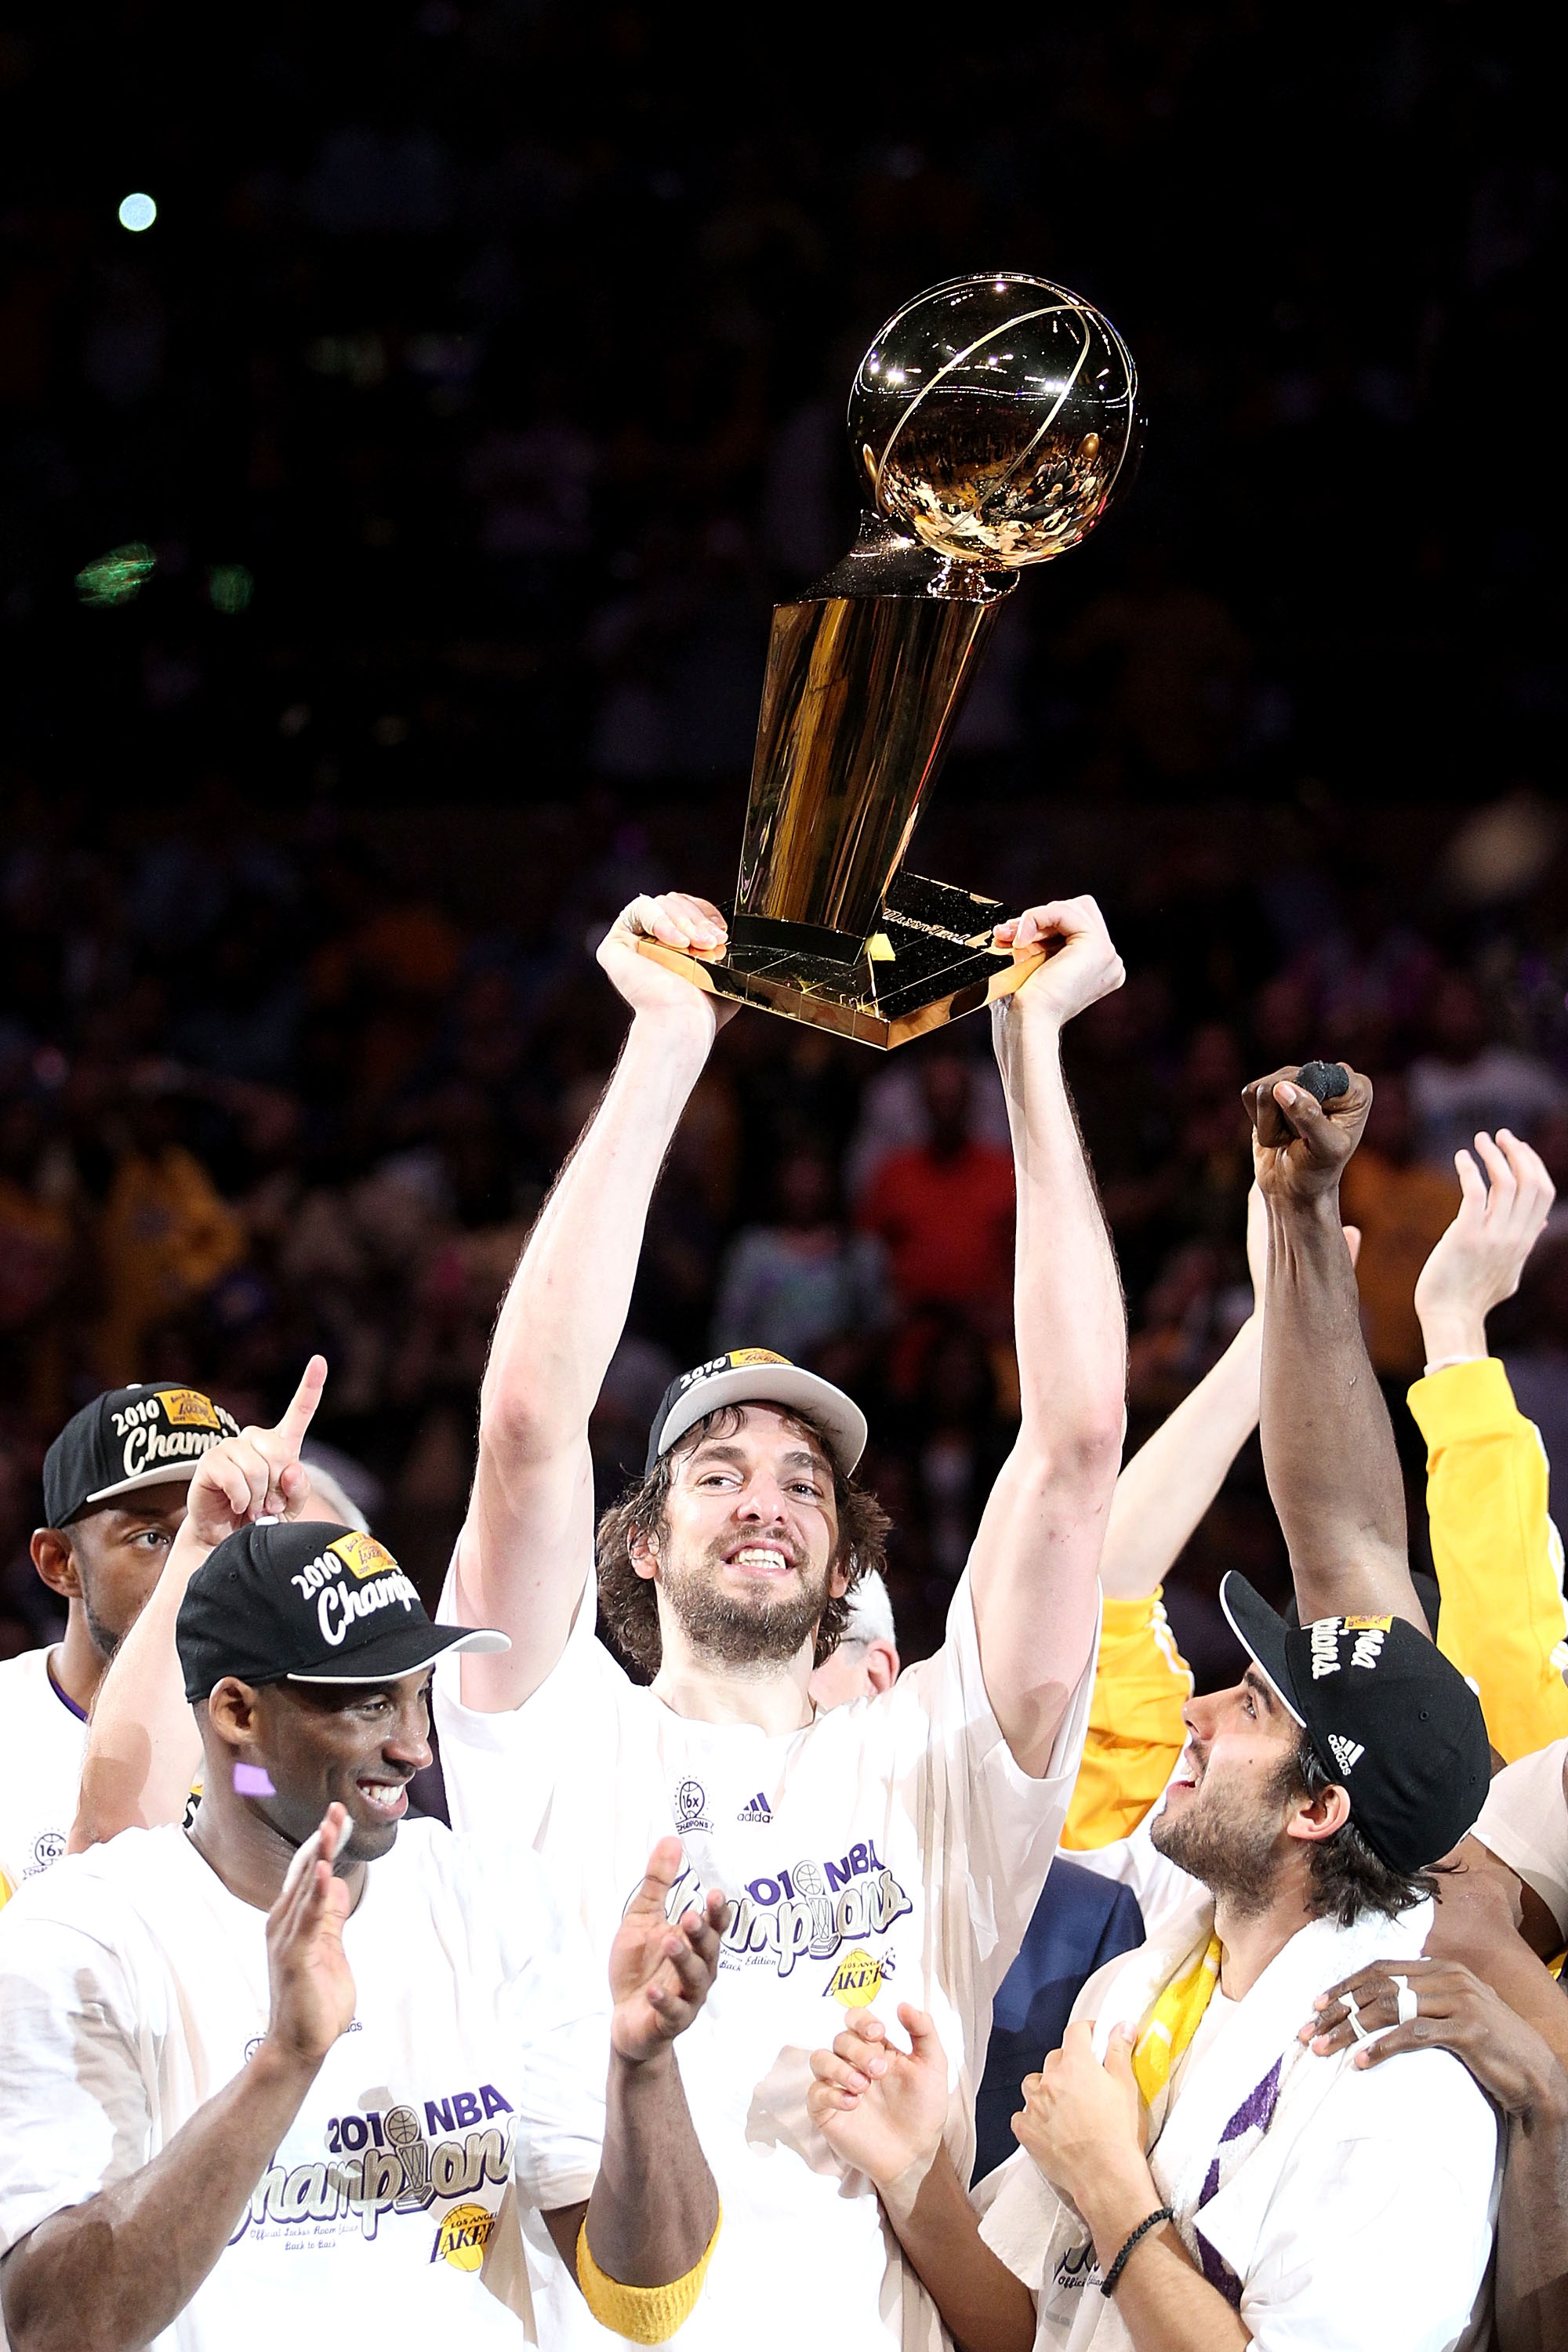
(1172, 2021)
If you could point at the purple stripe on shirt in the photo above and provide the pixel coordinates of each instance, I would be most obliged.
(69, 1703)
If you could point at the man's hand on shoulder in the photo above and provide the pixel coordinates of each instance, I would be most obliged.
(1300, 1146)
(1444, 2006)
(1082, 963)
(692, 926)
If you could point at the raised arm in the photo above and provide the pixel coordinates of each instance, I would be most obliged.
(1039, 1540)
(1166, 1490)
(1141, 1682)
(143, 1747)
(1497, 1554)
(1328, 1444)
(526, 1543)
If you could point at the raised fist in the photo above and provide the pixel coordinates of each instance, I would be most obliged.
(677, 920)
(1082, 963)
(1299, 1146)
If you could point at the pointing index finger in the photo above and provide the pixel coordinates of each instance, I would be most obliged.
(302, 1409)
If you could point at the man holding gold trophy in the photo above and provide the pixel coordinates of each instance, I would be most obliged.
(904, 1839)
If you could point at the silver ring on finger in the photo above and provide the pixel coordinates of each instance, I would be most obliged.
(1409, 2005)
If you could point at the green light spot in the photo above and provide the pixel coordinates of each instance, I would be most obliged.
(117, 577)
(229, 587)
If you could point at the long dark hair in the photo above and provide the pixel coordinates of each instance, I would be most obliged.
(1348, 1879)
(628, 1605)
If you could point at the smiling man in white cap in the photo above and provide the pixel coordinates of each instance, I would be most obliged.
(903, 1837)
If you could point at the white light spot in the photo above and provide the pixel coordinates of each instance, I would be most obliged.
(137, 212)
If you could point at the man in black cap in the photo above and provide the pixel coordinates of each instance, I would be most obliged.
(114, 1495)
(255, 2091)
(116, 1481)
(1193, 2176)
(906, 1836)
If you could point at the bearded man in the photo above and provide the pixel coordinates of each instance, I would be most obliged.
(903, 1838)
(1208, 2162)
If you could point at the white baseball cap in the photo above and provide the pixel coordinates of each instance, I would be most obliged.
(757, 1376)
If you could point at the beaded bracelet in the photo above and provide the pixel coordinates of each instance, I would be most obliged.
(1109, 2283)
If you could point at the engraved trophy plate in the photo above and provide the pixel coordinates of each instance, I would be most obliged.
(993, 420)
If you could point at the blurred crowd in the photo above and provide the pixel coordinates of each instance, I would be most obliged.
(480, 381)
(274, 1088)
(477, 389)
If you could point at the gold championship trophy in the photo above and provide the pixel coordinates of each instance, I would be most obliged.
(994, 419)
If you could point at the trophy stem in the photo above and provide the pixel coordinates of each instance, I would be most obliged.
(857, 706)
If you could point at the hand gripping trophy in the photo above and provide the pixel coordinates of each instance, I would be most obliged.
(994, 421)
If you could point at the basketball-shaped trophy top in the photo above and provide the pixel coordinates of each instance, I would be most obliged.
(996, 418)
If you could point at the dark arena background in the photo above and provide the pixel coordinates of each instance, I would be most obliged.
(388, 528)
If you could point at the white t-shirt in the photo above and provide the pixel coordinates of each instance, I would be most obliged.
(1524, 1823)
(133, 1986)
(892, 1850)
(42, 1742)
(1377, 2230)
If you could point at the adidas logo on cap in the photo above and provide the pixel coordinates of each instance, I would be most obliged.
(1347, 1754)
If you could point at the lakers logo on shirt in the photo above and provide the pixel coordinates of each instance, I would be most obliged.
(461, 2236)
(857, 1978)
(361, 1555)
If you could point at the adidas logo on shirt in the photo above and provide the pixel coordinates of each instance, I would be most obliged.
(757, 1809)
(1347, 1753)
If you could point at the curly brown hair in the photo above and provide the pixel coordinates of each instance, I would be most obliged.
(628, 1604)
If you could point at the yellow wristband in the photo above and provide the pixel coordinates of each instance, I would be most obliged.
(645, 2314)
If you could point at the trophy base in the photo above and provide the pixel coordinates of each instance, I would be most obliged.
(931, 962)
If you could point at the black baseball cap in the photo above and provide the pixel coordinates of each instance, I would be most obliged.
(146, 1436)
(757, 1376)
(1394, 1724)
(303, 1601)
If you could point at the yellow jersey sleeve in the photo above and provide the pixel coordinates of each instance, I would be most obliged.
(1141, 1683)
(1498, 1555)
